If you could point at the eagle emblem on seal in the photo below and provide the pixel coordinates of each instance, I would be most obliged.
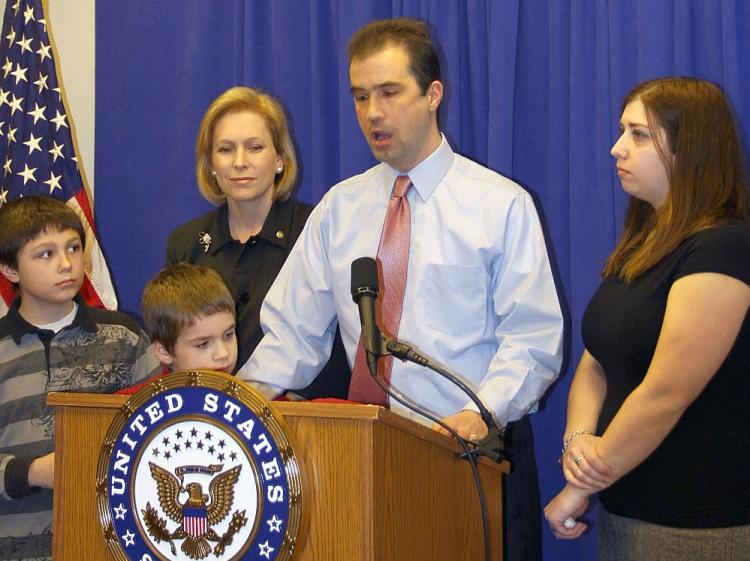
(197, 513)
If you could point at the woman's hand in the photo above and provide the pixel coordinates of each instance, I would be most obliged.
(568, 505)
(583, 467)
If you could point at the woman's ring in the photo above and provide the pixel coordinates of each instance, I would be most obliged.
(578, 460)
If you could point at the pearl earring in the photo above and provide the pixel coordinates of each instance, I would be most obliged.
(279, 169)
(213, 172)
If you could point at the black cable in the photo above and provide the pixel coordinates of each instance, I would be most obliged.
(405, 401)
(404, 351)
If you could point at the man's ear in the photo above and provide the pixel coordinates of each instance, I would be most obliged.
(161, 352)
(9, 273)
(435, 94)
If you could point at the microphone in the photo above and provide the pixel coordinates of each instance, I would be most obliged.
(364, 293)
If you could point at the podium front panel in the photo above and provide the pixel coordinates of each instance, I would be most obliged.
(381, 488)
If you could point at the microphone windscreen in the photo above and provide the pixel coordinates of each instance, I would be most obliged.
(364, 274)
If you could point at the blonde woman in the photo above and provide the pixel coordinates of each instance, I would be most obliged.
(246, 166)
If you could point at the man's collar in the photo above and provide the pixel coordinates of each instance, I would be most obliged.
(427, 174)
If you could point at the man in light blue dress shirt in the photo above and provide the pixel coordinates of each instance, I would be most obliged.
(479, 296)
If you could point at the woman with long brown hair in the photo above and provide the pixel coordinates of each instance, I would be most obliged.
(658, 411)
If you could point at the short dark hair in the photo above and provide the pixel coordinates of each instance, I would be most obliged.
(177, 296)
(23, 219)
(410, 34)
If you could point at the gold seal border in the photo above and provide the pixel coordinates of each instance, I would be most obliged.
(250, 398)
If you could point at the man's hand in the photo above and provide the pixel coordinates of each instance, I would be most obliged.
(42, 471)
(468, 424)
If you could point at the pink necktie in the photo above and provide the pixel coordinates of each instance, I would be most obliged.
(393, 254)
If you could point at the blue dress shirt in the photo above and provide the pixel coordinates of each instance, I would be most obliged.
(479, 298)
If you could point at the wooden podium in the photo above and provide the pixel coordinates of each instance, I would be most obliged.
(380, 487)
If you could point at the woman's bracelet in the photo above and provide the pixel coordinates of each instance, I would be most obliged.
(568, 441)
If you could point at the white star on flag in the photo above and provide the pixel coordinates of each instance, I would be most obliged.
(15, 105)
(37, 113)
(44, 51)
(59, 120)
(27, 173)
(56, 151)
(33, 143)
(53, 182)
(20, 74)
(24, 43)
(41, 83)
(28, 15)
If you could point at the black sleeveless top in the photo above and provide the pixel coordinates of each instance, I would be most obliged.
(699, 477)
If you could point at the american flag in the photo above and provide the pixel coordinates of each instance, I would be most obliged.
(37, 152)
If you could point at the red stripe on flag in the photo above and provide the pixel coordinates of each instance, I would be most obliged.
(82, 197)
(7, 291)
(89, 294)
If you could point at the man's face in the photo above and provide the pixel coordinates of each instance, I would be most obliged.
(399, 121)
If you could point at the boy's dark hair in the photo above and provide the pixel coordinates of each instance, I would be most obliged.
(23, 219)
(177, 296)
(412, 35)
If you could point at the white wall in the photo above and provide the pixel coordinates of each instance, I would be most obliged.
(71, 25)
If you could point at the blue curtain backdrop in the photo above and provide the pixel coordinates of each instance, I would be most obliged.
(534, 92)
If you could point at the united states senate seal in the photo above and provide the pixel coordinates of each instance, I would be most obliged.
(197, 465)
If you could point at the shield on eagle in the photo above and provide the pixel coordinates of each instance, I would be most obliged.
(194, 521)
